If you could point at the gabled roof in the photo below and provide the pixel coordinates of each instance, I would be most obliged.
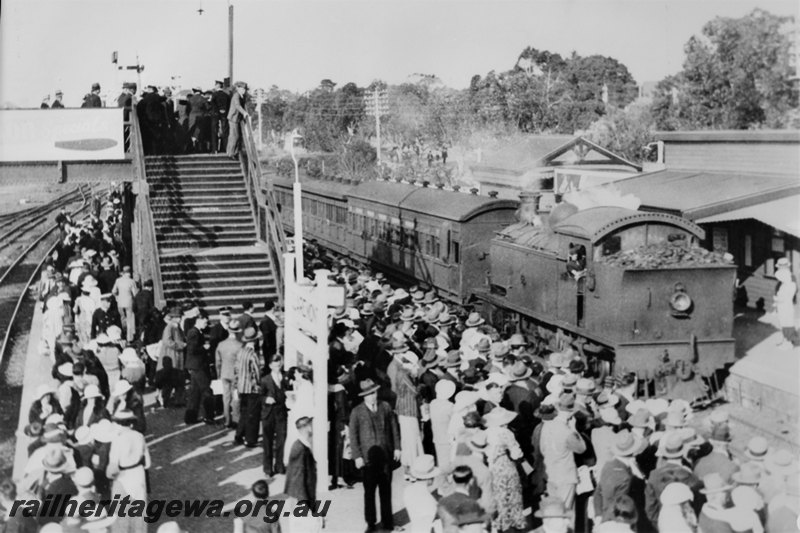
(542, 151)
(701, 194)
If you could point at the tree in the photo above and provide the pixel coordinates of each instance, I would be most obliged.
(737, 74)
(625, 131)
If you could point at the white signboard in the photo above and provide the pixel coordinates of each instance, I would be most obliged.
(61, 134)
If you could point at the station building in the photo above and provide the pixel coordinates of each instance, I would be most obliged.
(743, 188)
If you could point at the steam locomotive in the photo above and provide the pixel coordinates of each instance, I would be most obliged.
(623, 286)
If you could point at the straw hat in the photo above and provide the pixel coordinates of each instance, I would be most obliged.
(585, 386)
(781, 462)
(566, 402)
(640, 419)
(484, 346)
(251, 334)
(757, 448)
(55, 461)
(499, 417)
(656, 406)
(749, 474)
(609, 415)
(634, 406)
(453, 359)
(430, 297)
(569, 381)
(368, 387)
(445, 319)
(713, 482)
(474, 320)
(516, 340)
(673, 446)
(408, 315)
(518, 371)
(627, 444)
(499, 350)
(424, 467)
(675, 419)
(547, 411)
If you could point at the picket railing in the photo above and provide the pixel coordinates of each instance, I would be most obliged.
(265, 209)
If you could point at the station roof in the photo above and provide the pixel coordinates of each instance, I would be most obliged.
(782, 214)
(456, 206)
(748, 136)
(698, 195)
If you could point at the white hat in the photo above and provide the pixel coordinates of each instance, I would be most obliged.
(65, 369)
(445, 389)
(92, 391)
(121, 387)
(114, 333)
(675, 493)
(348, 323)
(609, 415)
(129, 357)
(497, 378)
(466, 398)
(103, 430)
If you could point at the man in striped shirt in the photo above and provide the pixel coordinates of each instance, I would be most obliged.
(248, 375)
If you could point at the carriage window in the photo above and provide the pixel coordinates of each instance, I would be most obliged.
(456, 252)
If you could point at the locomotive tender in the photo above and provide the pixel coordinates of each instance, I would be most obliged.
(560, 275)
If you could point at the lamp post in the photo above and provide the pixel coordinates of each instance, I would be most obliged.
(298, 211)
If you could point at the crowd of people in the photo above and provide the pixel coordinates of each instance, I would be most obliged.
(197, 121)
(203, 121)
(490, 431)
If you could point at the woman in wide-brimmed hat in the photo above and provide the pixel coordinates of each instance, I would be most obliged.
(441, 411)
(676, 512)
(419, 502)
(502, 452)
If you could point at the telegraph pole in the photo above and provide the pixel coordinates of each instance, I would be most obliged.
(377, 125)
(230, 42)
(377, 105)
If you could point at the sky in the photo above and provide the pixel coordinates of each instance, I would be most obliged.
(67, 44)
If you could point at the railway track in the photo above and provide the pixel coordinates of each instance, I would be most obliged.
(14, 225)
(18, 277)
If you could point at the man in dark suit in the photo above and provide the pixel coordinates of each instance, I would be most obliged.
(93, 99)
(220, 100)
(269, 345)
(196, 363)
(143, 305)
(301, 472)
(151, 114)
(104, 317)
(273, 418)
(198, 112)
(375, 445)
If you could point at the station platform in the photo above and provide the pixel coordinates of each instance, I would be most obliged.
(763, 387)
(37, 372)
